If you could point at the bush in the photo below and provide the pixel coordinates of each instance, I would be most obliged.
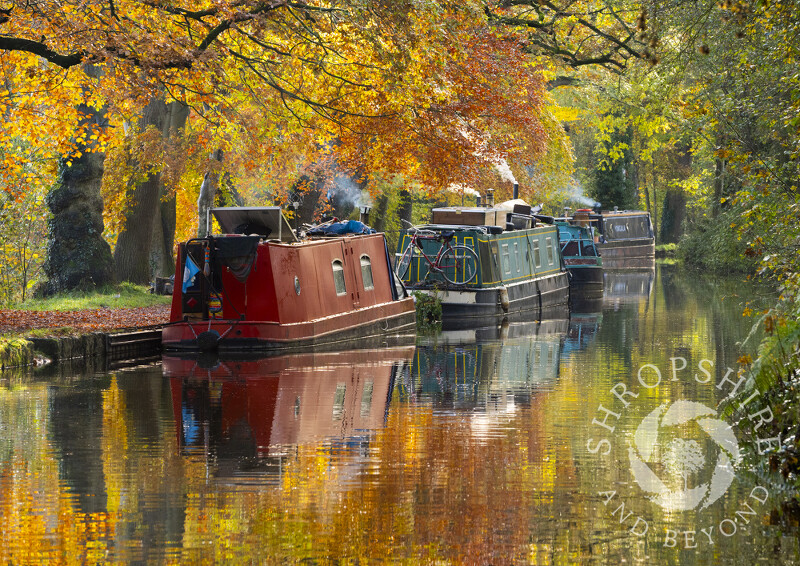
(775, 374)
(714, 244)
(429, 312)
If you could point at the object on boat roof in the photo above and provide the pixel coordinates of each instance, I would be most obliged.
(266, 221)
(238, 254)
(340, 229)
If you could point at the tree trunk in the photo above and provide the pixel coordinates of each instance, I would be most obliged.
(208, 191)
(673, 216)
(719, 186)
(406, 207)
(654, 217)
(647, 203)
(132, 254)
(166, 217)
(77, 255)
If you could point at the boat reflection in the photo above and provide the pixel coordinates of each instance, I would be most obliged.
(247, 414)
(627, 287)
(583, 328)
(490, 369)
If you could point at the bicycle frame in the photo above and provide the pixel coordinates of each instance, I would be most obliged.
(433, 265)
(456, 264)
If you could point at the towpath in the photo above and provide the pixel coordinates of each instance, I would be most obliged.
(83, 321)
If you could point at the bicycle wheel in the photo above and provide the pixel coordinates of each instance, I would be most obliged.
(401, 266)
(459, 265)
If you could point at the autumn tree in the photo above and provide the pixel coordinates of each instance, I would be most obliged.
(576, 34)
(149, 207)
(433, 91)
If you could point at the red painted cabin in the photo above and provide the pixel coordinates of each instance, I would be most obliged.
(269, 292)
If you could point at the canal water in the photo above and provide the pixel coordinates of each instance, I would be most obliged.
(593, 437)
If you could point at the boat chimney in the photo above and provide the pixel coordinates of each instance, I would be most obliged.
(489, 198)
(516, 191)
(478, 200)
(365, 214)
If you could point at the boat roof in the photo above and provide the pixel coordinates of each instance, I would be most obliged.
(625, 213)
(483, 228)
(267, 221)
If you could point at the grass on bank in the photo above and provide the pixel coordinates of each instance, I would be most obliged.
(666, 249)
(123, 295)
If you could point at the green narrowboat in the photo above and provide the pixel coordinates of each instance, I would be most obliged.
(519, 266)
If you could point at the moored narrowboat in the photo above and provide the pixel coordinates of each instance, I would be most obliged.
(519, 267)
(582, 260)
(625, 238)
(256, 287)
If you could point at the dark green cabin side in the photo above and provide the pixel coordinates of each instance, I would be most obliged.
(504, 259)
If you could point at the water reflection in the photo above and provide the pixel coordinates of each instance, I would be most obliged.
(582, 331)
(247, 414)
(470, 449)
(492, 368)
(627, 286)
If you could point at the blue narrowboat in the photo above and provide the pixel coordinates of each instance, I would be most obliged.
(582, 260)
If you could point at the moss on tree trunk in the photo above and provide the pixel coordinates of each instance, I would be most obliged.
(77, 255)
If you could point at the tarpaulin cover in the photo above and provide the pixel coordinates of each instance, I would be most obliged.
(341, 228)
(238, 253)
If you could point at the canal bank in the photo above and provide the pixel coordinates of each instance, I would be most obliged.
(98, 347)
(113, 330)
(16, 352)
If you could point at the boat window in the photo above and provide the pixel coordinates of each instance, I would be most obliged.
(366, 273)
(516, 257)
(338, 277)
(570, 248)
(537, 256)
(338, 401)
(551, 252)
(588, 249)
(366, 398)
(506, 259)
(619, 228)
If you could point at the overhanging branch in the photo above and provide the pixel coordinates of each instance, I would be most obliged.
(8, 43)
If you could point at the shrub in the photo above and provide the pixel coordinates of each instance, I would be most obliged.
(429, 312)
(715, 244)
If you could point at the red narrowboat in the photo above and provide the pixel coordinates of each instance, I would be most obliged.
(256, 287)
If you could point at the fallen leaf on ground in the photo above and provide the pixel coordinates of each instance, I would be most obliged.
(89, 320)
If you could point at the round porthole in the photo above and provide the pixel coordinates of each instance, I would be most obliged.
(296, 284)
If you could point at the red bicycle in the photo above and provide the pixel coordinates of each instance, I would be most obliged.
(457, 264)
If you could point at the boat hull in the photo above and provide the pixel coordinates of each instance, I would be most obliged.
(639, 254)
(585, 282)
(470, 307)
(387, 324)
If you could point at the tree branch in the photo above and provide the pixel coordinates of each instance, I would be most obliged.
(9, 43)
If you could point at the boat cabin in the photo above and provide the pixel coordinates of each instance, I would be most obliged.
(519, 263)
(256, 285)
(625, 238)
